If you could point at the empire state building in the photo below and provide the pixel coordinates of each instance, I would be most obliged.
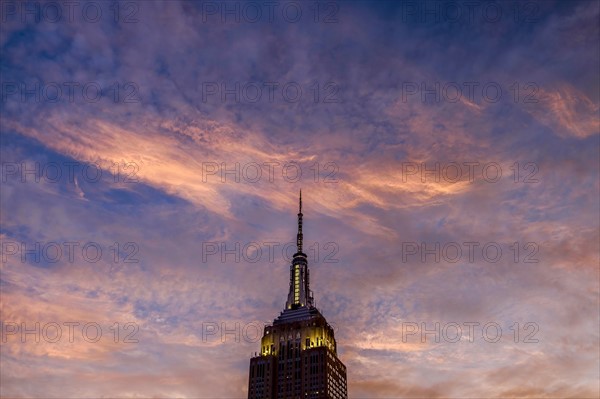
(298, 354)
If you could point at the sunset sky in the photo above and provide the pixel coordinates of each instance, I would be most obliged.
(448, 156)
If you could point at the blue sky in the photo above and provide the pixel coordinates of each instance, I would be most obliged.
(146, 115)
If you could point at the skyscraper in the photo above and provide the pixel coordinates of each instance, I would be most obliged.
(298, 354)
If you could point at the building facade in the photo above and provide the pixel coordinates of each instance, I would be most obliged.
(298, 354)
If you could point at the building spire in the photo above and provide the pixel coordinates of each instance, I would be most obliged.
(299, 237)
(299, 294)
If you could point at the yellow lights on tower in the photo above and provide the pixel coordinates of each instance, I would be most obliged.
(296, 284)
